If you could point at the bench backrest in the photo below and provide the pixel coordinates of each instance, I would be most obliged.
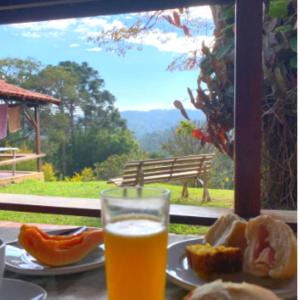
(156, 170)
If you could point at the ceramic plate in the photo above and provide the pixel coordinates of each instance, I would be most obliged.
(179, 272)
(20, 261)
(19, 289)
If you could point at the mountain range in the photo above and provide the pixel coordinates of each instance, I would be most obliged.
(157, 120)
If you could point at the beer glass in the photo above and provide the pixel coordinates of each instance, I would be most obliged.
(135, 224)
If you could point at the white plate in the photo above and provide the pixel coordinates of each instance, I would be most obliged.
(20, 261)
(179, 272)
(13, 289)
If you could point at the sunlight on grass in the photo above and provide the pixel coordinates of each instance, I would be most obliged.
(220, 198)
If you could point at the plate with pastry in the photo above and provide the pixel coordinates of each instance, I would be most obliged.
(261, 251)
(219, 290)
(39, 253)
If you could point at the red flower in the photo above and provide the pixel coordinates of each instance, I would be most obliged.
(197, 133)
(200, 135)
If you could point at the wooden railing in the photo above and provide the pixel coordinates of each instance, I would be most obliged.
(181, 214)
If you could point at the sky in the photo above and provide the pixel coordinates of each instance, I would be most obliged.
(140, 79)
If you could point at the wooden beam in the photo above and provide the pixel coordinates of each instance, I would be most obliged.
(248, 95)
(29, 118)
(38, 150)
(181, 214)
(17, 11)
(19, 159)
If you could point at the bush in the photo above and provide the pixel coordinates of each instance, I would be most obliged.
(49, 172)
(112, 167)
(221, 176)
(87, 174)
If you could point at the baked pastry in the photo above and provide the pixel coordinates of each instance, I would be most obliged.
(228, 230)
(219, 290)
(271, 249)
(207, 260)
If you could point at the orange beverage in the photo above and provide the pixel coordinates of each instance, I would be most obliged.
(135, 255)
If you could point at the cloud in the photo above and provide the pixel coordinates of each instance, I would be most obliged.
(82, 29)
(52, 29)
(92, 26)
(32, 35)
(171, 42)
(74, 45)
(94, 49)
(203, 12)
(59, 25)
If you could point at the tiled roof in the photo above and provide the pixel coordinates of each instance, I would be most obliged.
(10, 91)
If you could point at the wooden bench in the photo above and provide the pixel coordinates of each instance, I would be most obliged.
(184, 168)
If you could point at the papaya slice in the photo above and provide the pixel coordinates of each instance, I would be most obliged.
(50, 236)
(54, 253)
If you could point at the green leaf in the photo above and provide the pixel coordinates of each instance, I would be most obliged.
(221, 52)
(278, 8)
(293, 62)
(228, 13)
(280, 80)
(284, 28)
(293, 43)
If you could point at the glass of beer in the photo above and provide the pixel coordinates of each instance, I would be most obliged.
(135, 223)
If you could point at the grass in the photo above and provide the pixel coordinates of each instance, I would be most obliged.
(220, 198)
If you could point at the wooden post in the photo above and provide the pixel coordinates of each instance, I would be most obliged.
(248, 96)
(38, 137)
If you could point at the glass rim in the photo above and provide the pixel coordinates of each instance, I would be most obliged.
(163, 191)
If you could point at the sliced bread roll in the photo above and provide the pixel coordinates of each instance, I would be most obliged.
(219, 290)
(271, 248)
(228, 230)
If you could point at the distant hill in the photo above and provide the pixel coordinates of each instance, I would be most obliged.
(145, 122)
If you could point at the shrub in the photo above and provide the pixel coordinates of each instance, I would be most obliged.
(112, 167)
(49, 172)
(87, 174)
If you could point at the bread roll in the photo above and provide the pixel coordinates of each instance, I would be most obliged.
(271, 249)
(228, 230)
(218, 290)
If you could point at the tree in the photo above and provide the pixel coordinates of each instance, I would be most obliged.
(86, 127)
(85, 116)
(18, 71)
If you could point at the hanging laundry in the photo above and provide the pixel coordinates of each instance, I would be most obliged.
(14, 118)
(3, 120)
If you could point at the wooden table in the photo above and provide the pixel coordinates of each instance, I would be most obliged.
(87, 285)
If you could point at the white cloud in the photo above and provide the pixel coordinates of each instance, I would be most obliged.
(90, 27)
(203, 12)
(171, 42)
(32, 35)
(74, 45)
(53, 29)
(60, 25)
(94, 49)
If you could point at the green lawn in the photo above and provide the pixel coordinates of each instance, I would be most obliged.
(220, 198)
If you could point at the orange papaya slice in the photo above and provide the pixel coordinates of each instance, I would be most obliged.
(50, 236)
(59, 252)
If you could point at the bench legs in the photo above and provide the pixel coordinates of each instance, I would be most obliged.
(185, 192)
(205, 196)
